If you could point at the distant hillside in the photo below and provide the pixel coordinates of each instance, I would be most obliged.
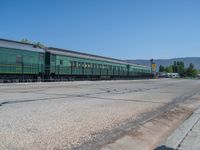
(167, 62)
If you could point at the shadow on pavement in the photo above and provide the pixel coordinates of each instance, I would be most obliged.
(163, 148)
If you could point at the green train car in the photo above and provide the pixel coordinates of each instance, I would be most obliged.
(20, 61)
(66, 63)
(23, 62)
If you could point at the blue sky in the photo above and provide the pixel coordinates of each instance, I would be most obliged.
(124, 29)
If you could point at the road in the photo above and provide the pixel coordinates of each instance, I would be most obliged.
(84, 114)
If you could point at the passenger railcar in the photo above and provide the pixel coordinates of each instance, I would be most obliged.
(21, 61)
(66, 63)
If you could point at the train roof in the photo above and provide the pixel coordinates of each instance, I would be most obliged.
(72, 53)
(20, 45)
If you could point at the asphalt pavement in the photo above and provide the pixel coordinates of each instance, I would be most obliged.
(66, 115)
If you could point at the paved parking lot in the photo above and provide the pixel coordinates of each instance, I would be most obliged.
(67, 114)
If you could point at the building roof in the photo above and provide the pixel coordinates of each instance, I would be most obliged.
(19, 45)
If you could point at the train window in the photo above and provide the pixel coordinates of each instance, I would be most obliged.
(41, 57)
(82, 64)
(95, 65)
(79, 64)
(19, 60)
(71, 63)
(75, 64)
(61, 62)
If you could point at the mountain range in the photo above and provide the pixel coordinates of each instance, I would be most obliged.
(167, 62)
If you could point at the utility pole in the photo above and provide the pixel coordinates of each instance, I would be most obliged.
(153, 67)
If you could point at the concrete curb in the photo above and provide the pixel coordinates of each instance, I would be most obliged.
(175, 139)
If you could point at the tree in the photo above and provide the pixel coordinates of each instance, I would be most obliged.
(191, 71)
(37, 44)
(175, 67)
(169, 69)
(179, 67)
(26, 41)
(161, 68)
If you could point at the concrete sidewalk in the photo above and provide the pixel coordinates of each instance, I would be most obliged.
(186, 137)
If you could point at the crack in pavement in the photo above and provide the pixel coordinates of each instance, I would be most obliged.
(75, 96)
(86, 96)
(129, 100)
